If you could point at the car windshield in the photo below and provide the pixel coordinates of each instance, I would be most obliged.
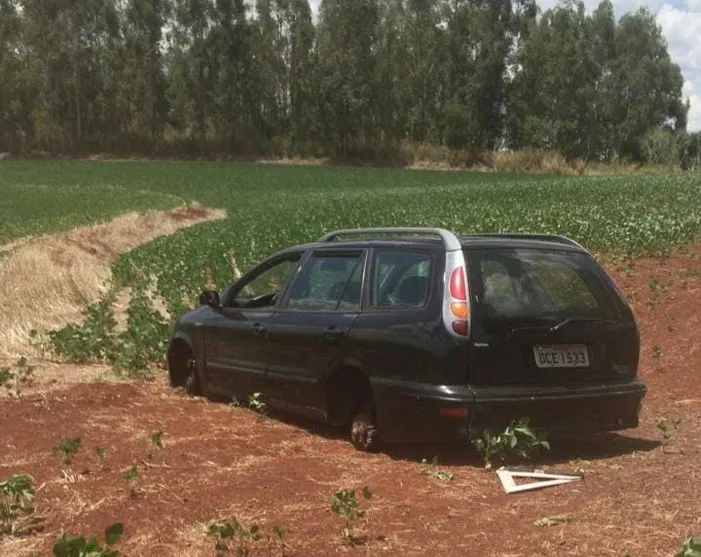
(536, 285)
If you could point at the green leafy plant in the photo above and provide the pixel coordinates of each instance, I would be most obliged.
(691, 548)
(653, 284)
(79, 546)
(67, 449)
(235, 534)
(100, 453)
(93, 340)
(517, 440)
(15, 380)
(668, 428)
(16, 496)
(442, 475)
(255, 403)
(157, 438)
(344, 503)
(130, 475)
(146, 337)
(235, 402)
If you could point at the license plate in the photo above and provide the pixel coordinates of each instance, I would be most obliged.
(571, 355)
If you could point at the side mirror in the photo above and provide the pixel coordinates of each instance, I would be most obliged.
(210, 298)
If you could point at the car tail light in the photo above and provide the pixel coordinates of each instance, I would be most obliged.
(456, 299)
(459, 309)
(457, 284)
(458, 305)
(460, 327)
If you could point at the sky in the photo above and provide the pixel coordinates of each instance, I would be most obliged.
(680, 21)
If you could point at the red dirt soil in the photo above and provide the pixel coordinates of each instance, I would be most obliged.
(638, 497)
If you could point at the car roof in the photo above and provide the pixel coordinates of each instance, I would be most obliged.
(468, 241)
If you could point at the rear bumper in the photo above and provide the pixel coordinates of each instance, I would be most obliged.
(578, 409)
(417, 413)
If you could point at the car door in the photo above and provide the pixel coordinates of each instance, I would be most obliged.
(309, 332)
(235, 339)
(398, 335)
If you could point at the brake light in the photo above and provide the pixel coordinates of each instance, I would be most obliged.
(457, 284)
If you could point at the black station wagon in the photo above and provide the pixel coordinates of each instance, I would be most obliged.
(419, 335)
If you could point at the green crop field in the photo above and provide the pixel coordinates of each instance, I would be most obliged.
(272, 206)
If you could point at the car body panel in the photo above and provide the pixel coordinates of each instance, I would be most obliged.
(301, 349)
(235, 351)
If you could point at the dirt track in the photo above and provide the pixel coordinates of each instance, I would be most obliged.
(636, 498)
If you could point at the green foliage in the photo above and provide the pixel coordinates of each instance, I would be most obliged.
(205, 77)
(517, 440)
(255, 403)
(78, 546)
(665, 147)
(274, 206)
(344, 503)
(602, 59)
(243, 537)
(668, 428)
(100, 452)
(94, 340)
(146, 337)
(54, 200)
(442, 475)
(157, 438)
(435, 474)
(67, 449)
(131, 474)
(692, 548)
(15, 379)
(16, 496)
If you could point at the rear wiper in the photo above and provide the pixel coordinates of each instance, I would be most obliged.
(554, 328)
(569, 320)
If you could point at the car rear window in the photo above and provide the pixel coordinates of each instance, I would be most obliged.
(525, 283)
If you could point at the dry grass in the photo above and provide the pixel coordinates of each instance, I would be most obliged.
(46, 281)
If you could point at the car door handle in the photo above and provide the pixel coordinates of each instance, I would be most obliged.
(258, 329)
(332, 333)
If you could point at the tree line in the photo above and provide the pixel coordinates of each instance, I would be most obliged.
(360, 80)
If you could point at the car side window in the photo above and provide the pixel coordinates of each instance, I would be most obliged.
(263, 289)
(328, 282)
(400, 279)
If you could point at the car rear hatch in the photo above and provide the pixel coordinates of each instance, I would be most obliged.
(547, 316)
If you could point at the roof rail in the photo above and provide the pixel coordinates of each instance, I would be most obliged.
(527, 236)
(450, 240)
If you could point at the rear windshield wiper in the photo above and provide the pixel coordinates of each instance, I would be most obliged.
(570, 320)
(554, 328)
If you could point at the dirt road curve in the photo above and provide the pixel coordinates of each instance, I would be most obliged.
(637, 498)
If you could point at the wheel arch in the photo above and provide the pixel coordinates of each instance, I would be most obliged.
(180, 347)
(345, 388)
